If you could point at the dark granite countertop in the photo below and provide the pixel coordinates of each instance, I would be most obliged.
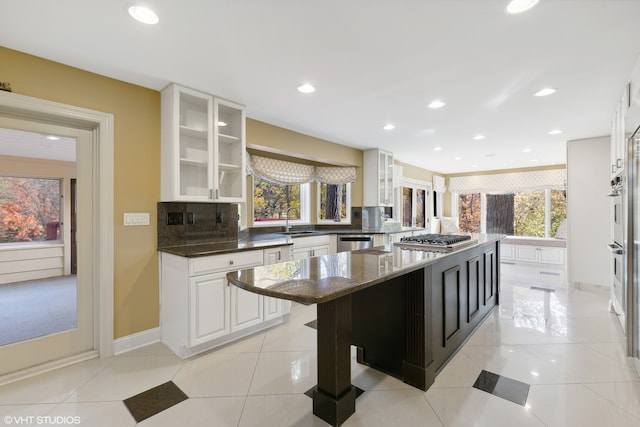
(258, 241)
(262, 241)
(327, 277)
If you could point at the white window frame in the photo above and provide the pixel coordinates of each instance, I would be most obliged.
(305, 208)
(346, 220)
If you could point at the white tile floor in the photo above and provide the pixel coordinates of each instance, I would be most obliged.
(565, 344)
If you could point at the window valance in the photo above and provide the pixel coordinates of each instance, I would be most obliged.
(531, 181)
(439, 184)
(335, 175)
(284, 172)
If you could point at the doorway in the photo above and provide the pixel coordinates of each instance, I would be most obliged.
(93, 334)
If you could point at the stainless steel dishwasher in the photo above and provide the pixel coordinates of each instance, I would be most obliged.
(354, 242)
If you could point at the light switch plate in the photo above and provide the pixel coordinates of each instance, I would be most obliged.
(134, 219)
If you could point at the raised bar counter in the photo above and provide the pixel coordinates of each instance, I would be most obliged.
(407, 311)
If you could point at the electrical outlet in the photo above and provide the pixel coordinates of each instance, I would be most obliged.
(175, 218)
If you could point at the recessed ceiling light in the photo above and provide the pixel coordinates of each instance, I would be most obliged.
(519, 6)
(554, 132)
(222, 124)
(526, 150)
(52, 137)
(478, 137)
(436, 104)
(306, 88)
(389, 126)
(143, 14)
(437, 149)
(457, 158)
(534, 160)
(474, 166)
(545, 92)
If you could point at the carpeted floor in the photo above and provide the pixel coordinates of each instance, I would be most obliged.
(37, 308)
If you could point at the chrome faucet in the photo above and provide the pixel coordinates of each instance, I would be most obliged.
(287, 227)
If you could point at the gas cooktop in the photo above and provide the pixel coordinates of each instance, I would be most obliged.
(445, 242)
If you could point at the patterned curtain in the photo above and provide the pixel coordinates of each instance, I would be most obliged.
(280, 171)
(439, 184)
(523, 182)
(283, 172)
(335, 175)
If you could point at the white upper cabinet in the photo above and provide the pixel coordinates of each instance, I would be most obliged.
(203, 147)
(378, 178)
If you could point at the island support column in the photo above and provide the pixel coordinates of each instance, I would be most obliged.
(334, 398)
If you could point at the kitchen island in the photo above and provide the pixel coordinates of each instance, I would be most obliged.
(407, 311)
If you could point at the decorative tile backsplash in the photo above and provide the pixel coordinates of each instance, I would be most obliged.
(182, 223)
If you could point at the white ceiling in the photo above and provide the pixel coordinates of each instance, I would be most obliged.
(37, 145)
(372, 62)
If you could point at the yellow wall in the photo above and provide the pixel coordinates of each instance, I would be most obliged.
(136, 113)
(414, 172)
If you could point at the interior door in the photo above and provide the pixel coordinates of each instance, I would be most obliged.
(78, 338)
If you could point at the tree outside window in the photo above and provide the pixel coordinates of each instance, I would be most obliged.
(333, 201)
(529, 211)
(29, 209)
(558, 209)
(469, 213)
(271, 201)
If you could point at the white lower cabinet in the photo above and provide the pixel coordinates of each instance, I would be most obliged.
(209, 308)
(539, 254)
(507, 252)
(246, 308)
(200, 310)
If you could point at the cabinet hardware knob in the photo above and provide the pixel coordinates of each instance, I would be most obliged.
(231, 262)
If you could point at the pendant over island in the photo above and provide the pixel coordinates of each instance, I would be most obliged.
(406, 310)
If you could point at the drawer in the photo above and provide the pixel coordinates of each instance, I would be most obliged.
(227, 262)
(310, 241)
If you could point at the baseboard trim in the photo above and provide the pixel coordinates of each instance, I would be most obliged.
(46, 367)
(137, 340)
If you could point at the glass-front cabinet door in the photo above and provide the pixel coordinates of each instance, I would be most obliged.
(195, 143)
(385, 178)
(229, 137)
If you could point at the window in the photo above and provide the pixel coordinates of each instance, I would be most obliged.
(469, 212)
(558, 199)
(334, 202)
(529, 214)
(414, 207)
(532, 214)
(29, 209)
(271, 201)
